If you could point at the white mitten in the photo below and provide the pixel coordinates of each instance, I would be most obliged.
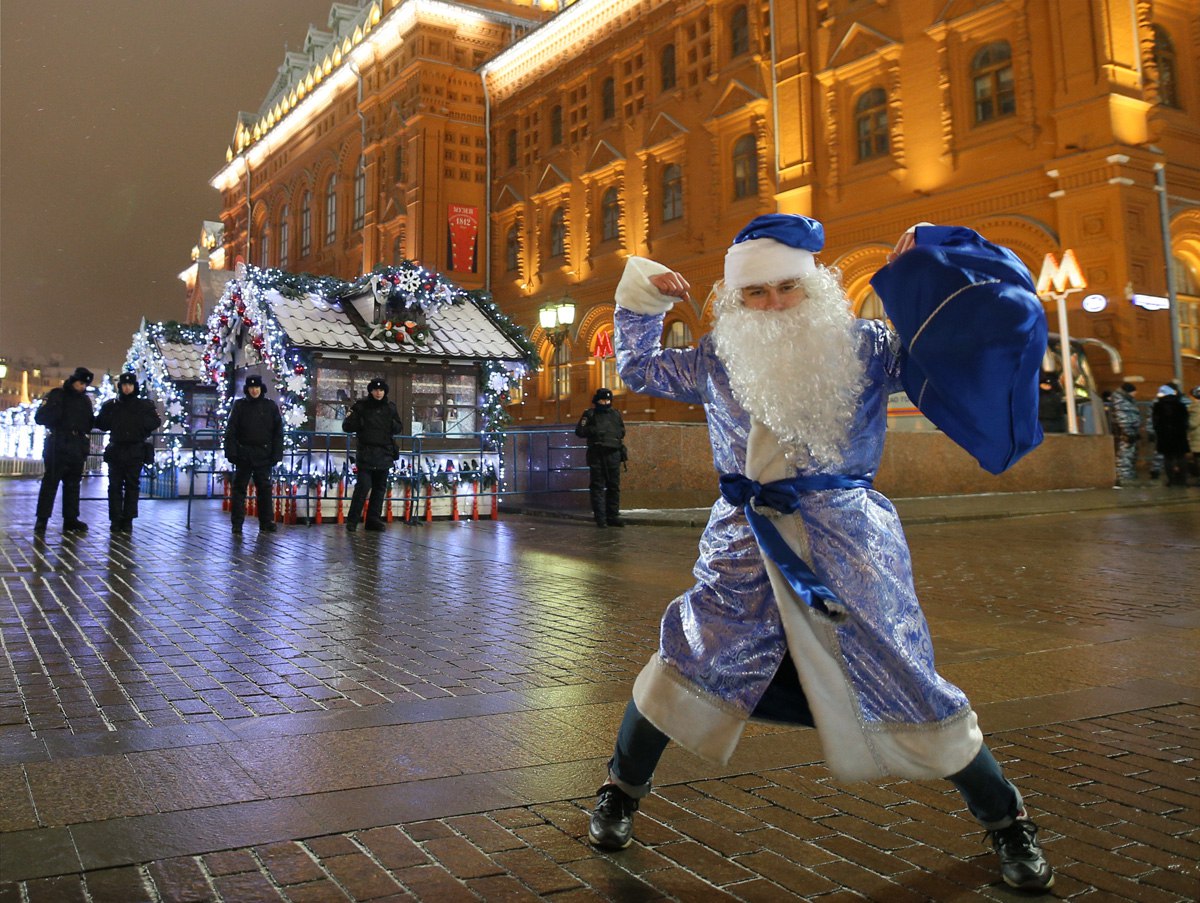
(635, 291)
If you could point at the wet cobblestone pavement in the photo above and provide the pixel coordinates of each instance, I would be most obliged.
(425, 714)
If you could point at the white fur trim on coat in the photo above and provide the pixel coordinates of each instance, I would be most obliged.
(636, 293)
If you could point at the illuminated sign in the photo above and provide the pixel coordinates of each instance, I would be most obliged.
(1064, 277)
(1151, 302)
(1093, 304)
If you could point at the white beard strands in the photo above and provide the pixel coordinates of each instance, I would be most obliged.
(796, 371)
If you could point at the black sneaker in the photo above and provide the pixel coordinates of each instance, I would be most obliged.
(351, 526)
(267, 527)
(75, 526)
(611, 826)
(616, 522)
(375, 526)
(1022, 864)
(237, 529)
(39, 527)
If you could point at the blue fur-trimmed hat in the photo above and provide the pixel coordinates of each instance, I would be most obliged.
(773, 247)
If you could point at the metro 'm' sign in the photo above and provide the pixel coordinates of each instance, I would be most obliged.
(1064, 277)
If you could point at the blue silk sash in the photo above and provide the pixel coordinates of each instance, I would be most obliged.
(784, 496)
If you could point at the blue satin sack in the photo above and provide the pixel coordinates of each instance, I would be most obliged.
(973, 333)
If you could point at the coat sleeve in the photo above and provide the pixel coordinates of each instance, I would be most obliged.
(50, 412)
(277, 435)
(353, 421)
(231, 443)
(973, 334)
(150, 421)
(584, 428)
(645, 366)
(104, 418)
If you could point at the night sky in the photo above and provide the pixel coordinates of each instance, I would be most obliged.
(113, 117)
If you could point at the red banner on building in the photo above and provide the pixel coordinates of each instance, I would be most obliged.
(463, 222)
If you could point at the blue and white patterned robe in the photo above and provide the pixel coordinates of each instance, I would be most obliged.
(878, 702)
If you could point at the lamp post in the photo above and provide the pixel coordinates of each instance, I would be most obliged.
(1055, 282)
(556, 318)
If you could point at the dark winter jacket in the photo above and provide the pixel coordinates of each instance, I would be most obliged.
(1170, 419)
(375, 422)
(602, 427)
(254, 433)
(129, 420)
(68, 416)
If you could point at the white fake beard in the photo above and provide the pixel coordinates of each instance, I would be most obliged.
(796, 371)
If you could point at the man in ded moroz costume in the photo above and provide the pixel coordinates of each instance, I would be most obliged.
(804, 608)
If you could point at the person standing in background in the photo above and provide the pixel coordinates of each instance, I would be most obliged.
(254, 444)
(601, 425)
(129, 420)
(67, 416)
(376, 421)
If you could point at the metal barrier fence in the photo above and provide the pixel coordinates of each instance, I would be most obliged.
(436, 476)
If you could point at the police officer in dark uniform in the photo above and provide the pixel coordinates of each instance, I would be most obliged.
(129, 420)
(254, 444)
(67, 415)
(376, 421)
(601, 425)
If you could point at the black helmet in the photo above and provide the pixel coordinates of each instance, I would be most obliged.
(128, 378)
(82, 375)
(602, 394)
(377, 383)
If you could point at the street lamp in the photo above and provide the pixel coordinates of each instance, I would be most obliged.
(556, 318)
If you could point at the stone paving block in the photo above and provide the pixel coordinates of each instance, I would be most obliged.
(392, 848)
(792, 877)
(502, 889)
(429, 882)
(361, 878)
(247, 887)
(126, 884)
(484, 833)
(459, 857)
(180, 880)
(322, 891)
(60, 889)
(537, 871)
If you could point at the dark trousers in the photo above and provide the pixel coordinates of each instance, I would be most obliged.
(1174, 466)
(123, 491)
(605, 484)
(242, 474)
(989, 796)
(65, 469)
(373, 483)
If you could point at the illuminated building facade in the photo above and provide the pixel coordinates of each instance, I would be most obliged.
(532, 151)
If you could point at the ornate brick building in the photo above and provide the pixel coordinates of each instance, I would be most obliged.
(531, 150)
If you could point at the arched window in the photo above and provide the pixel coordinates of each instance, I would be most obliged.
(512, 147)
(666, 67)
(609, 377)
(610, 216)
(360, 194)
(677, 335)
(1164, 62)
(871, 308)
(283, 237)
(556, 131)
(745, 168)
(558, 233)
(331, 209)
(608, 98)
(306, 224)
(264, 247)
(739, 31)
(562, 371)
(992, 80)
(672, 193)
(871, 124)
(512, 250)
